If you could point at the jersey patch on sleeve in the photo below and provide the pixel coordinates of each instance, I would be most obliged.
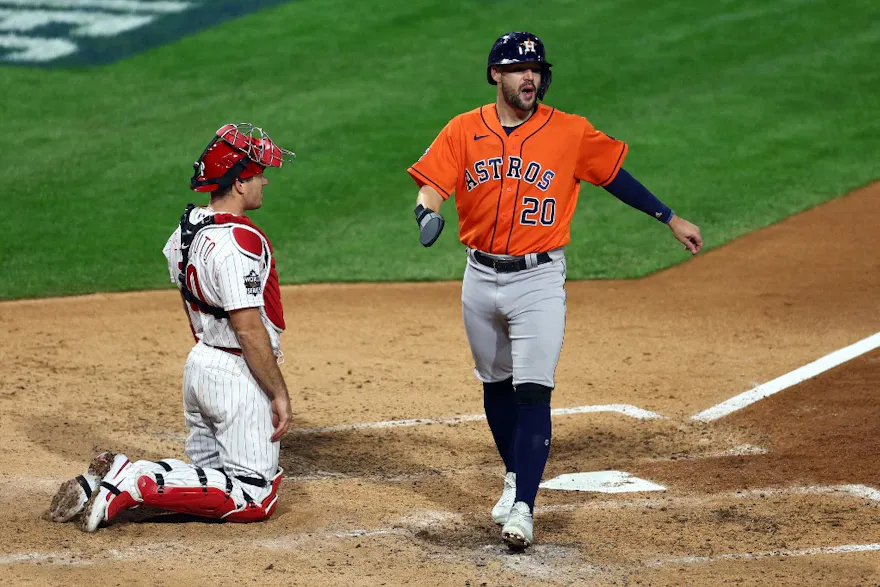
(248, 242)
(252, 283)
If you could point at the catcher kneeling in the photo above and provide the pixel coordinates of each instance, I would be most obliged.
(236, 402)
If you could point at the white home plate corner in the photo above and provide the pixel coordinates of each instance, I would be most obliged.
(601, 482)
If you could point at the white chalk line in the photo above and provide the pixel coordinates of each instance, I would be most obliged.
(57, 558)
(623, 501)
(624, 409)
(789, 379)
(409, 525)
(860, 491)
(817, 550)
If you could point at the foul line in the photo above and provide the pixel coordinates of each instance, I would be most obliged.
(789, 379)
(625, 409)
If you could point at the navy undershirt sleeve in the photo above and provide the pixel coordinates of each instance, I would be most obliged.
(630, 191)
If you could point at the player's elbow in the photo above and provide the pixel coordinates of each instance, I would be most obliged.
(248, 325)
(429, 198)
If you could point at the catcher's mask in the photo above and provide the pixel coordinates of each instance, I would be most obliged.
(520, 47)
(237, 151)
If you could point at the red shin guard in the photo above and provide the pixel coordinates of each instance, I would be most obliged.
(254, 512)
(208, 502)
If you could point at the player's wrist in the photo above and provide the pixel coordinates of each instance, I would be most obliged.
(421, 212)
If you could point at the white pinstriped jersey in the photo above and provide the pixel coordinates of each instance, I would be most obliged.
(228, 268)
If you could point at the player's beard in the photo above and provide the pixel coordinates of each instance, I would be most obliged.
(513, 96)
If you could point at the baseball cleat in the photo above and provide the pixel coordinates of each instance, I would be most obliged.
(113, 495)
(518, 530)
(508, 495)
(73, 494)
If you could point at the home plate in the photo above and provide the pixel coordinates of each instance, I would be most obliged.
(602, 482)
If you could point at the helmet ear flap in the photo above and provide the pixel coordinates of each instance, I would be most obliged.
(546, 78)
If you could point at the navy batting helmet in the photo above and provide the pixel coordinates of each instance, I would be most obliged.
(520, 47)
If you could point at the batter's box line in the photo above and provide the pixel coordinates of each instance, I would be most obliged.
(624, 409)
(817, 550)
(855, 490)
(791, 379)
(625, 501)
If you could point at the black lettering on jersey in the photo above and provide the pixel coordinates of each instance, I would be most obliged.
(470, 182)
(532, 172)
(252, 283)
(482, 172)
(495, 163)
(514, 167)
(545, 180)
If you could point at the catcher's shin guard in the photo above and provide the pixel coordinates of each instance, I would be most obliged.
(206, 500)
(254, 512)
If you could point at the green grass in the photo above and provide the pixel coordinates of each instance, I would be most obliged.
(738, 114)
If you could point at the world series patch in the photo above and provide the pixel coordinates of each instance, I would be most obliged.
(252, 283)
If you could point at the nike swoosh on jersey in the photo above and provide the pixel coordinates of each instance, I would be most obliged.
(478, 137)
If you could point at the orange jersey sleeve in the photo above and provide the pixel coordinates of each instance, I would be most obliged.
(441, 165)
(600, 157)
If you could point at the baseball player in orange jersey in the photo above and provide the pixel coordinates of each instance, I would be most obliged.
(236, 402)
(515, 168)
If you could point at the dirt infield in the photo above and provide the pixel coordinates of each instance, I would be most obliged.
(782, 492)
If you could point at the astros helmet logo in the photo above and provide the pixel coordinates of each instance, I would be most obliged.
(528, 46)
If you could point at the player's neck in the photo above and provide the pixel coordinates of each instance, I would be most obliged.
(510, 116)
(227, 205)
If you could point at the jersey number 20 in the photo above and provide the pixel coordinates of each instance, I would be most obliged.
(538, 211)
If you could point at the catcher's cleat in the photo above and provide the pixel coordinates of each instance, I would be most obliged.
(518, 530)
(113, 495)
(73, 494)
(508, 495)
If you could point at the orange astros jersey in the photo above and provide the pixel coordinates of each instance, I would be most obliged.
(516, 194)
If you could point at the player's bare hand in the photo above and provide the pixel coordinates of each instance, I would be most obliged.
(281, 417)
(687, 234)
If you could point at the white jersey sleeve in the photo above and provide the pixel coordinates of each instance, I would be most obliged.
(240, 281)
(173, 255)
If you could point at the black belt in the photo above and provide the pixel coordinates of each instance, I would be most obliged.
(508, 265)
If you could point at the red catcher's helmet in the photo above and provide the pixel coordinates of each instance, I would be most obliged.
(239, 150)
